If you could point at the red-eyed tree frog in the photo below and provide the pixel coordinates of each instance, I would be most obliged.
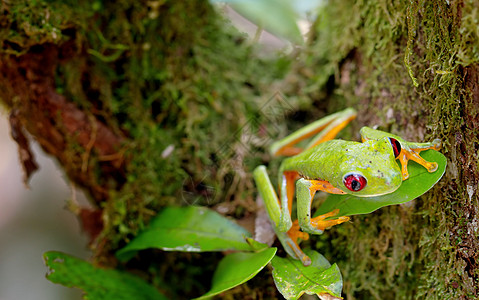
(364, 169)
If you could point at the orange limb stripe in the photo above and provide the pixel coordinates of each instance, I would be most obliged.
(291, 177)
(288, 148)
(288, 151)
(331, 134)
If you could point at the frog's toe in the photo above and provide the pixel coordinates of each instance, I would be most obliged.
(306, 260)
(436, 144)
(432, 167)
(321, 225)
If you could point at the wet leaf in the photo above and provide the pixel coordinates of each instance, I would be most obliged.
(293, 279)
(237, 268)
(191, 229)
(97, 283)
(276, 16)
(255, 245)
(419, 182)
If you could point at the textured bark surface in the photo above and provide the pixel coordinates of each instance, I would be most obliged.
(56, 122)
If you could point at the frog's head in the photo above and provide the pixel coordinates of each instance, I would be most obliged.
(370, 169)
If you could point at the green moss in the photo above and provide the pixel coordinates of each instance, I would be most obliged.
(176, 93)
(370, 54)
(173, 78)
(28, 23)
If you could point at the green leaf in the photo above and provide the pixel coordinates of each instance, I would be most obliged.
(293, 279)
(276, 16)
(255, 245)
(191, 229)
(419, 182)
(237, 268)
(97, 283)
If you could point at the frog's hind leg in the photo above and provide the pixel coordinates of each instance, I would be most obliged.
(286, 191)
(305, 193)
(325, 129)
(287, 235)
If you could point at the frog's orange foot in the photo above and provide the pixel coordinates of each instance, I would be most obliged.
(431, 167)
(413, 154)
(321, 224)
(436, 144)
(296, 233)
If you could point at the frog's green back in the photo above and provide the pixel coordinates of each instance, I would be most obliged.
(320, 161)
(334, 159)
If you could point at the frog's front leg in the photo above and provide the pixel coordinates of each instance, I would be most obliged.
(305, 190)
(410, 151)
(404, 150)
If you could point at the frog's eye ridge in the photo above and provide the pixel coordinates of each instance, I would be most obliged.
(396, 146)
(354, 182)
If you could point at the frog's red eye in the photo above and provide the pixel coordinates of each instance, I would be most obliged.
(354, 182)
(396, 146)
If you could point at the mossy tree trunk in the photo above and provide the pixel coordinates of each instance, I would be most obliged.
(138, 102)
(410, 67)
